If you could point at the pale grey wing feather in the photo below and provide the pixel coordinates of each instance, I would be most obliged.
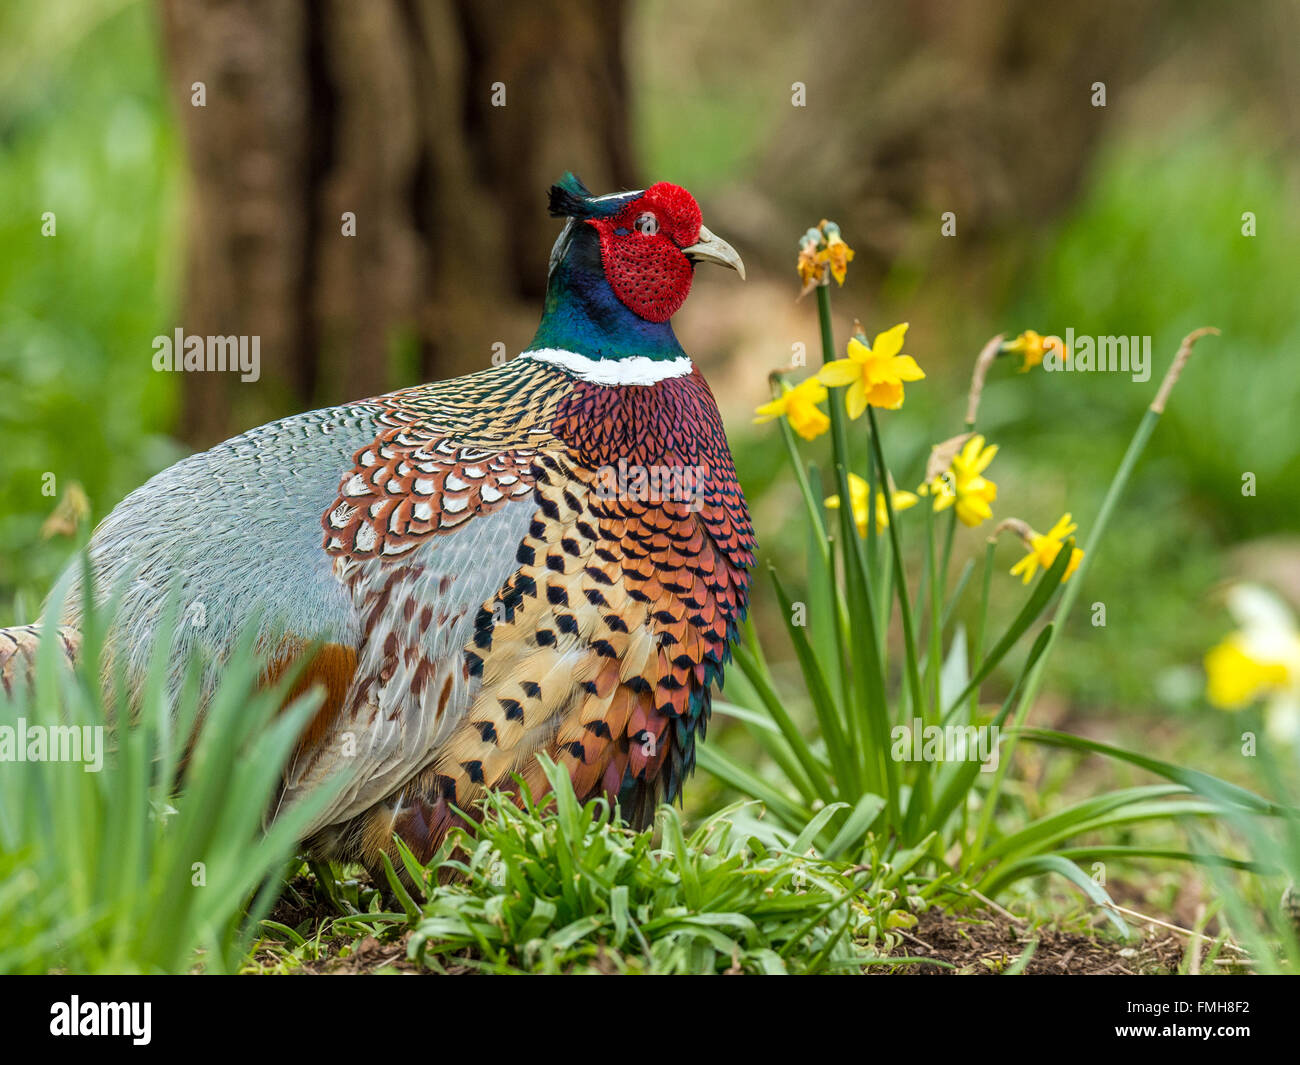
(412, 683)
(237, 531)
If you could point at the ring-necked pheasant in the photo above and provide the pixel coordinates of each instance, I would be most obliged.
(476, 561)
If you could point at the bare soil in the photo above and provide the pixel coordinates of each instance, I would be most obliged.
(989, 943)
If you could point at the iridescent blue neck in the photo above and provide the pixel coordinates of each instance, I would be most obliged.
(583, 315)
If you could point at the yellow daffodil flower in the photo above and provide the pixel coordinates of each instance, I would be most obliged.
(1261, 660)
(799, 405)
(1234, 678)
(874, 375)
(859, 492)
(964, 485)
(1032, 347)
(1043, 550)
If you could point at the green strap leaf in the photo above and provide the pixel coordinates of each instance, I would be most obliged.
(1211, 787)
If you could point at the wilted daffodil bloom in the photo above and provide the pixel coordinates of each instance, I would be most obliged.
(822, 251)
(860, 492)
(1261, 660)
(964, 485)
(1032, 347)
(1043, 549)
(836, 253)
(874, 375)
(799, 405)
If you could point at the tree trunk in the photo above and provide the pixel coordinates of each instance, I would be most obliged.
(390, 111)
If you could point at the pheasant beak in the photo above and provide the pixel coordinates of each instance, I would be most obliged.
(713, 249)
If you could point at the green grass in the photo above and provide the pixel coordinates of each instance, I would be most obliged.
(555, 886)
(158, 862)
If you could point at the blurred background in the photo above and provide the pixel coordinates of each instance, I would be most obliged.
(1121, 219)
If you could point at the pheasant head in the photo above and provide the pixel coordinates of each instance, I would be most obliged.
(622, 267)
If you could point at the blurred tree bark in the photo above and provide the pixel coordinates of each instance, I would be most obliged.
(386, 110)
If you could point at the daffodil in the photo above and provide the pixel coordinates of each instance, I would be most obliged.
(1032, 347)
(837, 254)
(799, 405)
(860, 493)
(964, 485)
(1261, 660)
(1043, 549)
(1235, 678)
(874, 375)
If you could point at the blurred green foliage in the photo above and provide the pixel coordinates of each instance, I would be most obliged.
(85, 135)
(1155, 248)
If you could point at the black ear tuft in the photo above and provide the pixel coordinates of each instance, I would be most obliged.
(570, 198)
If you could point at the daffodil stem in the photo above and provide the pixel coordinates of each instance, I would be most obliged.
(977, 656)
(880, 573)
(981, 625)
(900, 577)
(835, 398)
(852, 729)
(936, 611)
(873, 536)
(949, 536)
(851, 685)
(936, 577)
(986, 356)
(886, 609)
(839, 437)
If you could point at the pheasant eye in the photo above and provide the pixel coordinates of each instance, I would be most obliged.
(647, 223)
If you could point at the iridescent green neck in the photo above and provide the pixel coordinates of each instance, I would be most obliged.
(583, 315)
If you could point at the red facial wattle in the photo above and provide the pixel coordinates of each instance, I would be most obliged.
(647, 271)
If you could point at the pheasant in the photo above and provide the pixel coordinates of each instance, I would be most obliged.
(550, 555)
